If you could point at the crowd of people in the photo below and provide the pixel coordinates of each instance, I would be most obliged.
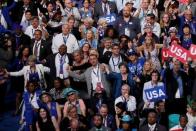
(98, 65)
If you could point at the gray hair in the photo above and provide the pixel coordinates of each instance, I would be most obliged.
(32, 58)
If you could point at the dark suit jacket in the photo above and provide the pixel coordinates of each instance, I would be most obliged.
(172, 84)
(98, 11)
(44, 49)
(101, 55)
(24, 40)
(19, 10)
(157, 128)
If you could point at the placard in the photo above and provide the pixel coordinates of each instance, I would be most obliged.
(155, 94)
(164, 54)
(110, 19)
(179, 52)
(192, 51)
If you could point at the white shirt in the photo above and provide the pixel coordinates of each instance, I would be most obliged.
(37, 43)
(114, 63)
(156, 29)
(148, 85)
(104, 50)
(142, 14)
(131, 102)
(23, 16)
(107, 6)
(65, 65)
(2, 20)
(30, 31)
(152, 127)
(120, 4)
(96, 76)
(33, 100)
(25, 24)
(71, 43)
(137, 3)
(191, 121)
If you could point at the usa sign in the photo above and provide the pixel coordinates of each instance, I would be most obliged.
(155, 94)
(179, 52)
(192, 51)
(110, 19)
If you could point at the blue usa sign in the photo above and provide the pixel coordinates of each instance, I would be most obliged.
(110, 19)
(155, 94)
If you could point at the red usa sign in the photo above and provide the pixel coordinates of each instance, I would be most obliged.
(192, 51)
(179, 52)
(183, 1)
(165, 54)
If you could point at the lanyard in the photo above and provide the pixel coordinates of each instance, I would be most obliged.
(62, 61)
(69, 10)
(116, 63)
(97, 74)
(33, 32)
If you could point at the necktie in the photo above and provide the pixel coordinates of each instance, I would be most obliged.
(36, 49)
(125, 102)
(105, 122)
(17, 42)
(105, 9)
(180, 86)
(65, 40)
(61, 65)
(122, 2)
(28, 23)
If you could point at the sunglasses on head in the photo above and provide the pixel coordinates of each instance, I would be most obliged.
(70, 94)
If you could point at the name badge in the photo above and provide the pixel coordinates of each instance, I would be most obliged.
(61, 76)
(127, 32)
(99, 87)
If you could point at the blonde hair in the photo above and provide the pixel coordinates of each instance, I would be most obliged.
(93, 52)
(70, 107)
(161, 20)
(102, 22)
(93, 36)
(151, 65)
(90, 20)
(32, 58)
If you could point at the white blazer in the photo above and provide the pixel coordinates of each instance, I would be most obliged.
(71, 43)
(26, 71)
